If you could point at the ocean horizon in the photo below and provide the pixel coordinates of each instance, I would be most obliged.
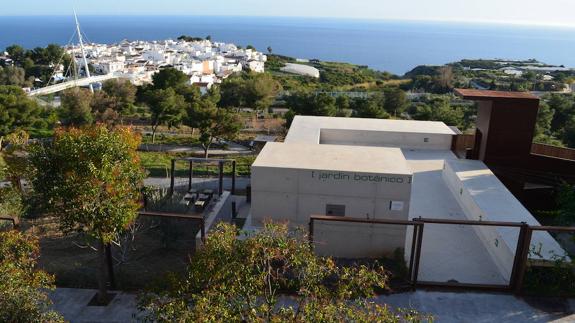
(394, 46)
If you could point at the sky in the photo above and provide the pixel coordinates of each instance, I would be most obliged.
(530, 12)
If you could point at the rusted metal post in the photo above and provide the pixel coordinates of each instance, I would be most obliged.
(412, 255)
(518, 255)
(172, 176)
(221, 178)
(233, 177)
(190, 175)
(420, 226)
(522, 266)
(310, 234)
(203, 231)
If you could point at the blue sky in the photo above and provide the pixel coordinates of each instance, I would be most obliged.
(548, 12)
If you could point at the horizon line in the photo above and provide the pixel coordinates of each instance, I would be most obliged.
(518, 23)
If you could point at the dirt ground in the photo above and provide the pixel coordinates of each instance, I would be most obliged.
(157, 249)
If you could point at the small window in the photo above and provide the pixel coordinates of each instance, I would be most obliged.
(425, 139)
(335, 210)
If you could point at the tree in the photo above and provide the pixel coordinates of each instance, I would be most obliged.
(569, 133)
(372, 107)
(395, 100)
(311, 104)
(17, 53)
(76, 107)
(17, 110)
(250, 90)
(270, 50)
(13, 75)
(544, 118)
(123, 93)
(233, 280)
(91, 179)
(23, 288)
(440, 109)
(170, 78)
(114, 101)
(167, 108)
(250, 47)
(213, 122)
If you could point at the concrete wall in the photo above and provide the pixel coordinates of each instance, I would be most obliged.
(502, 253)
(484, 198)
(385, 139)
(293, 195)
(220, 212)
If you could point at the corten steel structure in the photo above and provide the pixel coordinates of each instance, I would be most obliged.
(504, 140)
(520, 261)
(191, 160)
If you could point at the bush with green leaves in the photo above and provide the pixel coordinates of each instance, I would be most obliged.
(272, 276)
(23, 288)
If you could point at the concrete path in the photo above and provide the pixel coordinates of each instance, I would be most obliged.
(443, 306)
(233, 149)
(72, 304)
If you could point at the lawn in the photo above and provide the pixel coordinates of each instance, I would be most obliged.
(158, 165)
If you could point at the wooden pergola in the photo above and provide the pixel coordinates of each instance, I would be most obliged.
(192, 160)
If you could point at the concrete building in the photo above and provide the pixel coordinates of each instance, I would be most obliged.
(393, 169)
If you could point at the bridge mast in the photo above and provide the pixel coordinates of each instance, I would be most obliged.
(83, 51)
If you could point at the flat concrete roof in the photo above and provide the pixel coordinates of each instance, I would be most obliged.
(307, 129)
(472, 94)
(379, 160)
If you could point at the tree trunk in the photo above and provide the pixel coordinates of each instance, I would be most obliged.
(154, 128)
(206, 151)
(102, 289)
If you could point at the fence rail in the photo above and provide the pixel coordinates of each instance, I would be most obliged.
(553, 151)
(520, 261)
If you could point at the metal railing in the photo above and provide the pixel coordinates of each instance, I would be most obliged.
(520, 261)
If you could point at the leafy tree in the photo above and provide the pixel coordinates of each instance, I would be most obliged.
(167, 108)
(114, 101)
(13, 75)
(342, 102)
(123, 93)
(170, 78)
(372, 107)
(23, 288)
(563, 107)
(250, 47)
(569, 132)
(76, 109)
(17, 53)
(17, 110)
(312, 104)
(270, 50)
(213, 122)
(440, 109)
(250, 90)
(233, 280)
(91, 179)
(544, 118)
(395, 100)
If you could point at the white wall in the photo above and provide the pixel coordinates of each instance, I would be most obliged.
(385, 139)
(293, 195)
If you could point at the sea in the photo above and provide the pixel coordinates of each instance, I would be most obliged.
(394, 46)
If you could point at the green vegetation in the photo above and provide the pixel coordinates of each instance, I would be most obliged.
(23, 288)
(30, 65)
(158, 165)
(241, 280)
(92, 179)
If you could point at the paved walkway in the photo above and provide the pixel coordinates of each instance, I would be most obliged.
(444, 306)
(198, 182)
(233, 149)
